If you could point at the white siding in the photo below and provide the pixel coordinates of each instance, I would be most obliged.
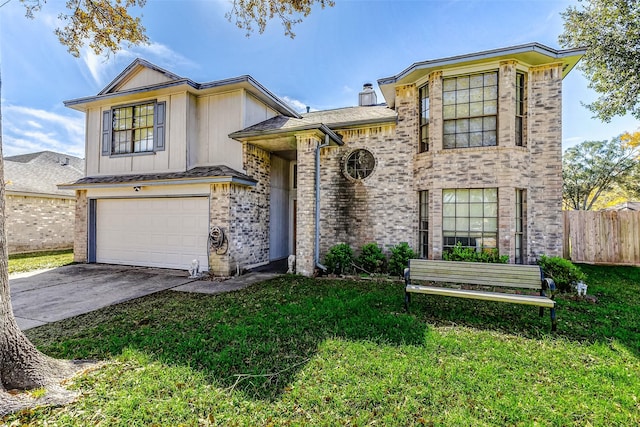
(256, 111)
(145, 77)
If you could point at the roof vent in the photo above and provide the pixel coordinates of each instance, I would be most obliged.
(368, 96)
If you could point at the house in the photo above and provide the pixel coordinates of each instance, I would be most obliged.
(39, 216)
(464, 149)
(625, 206)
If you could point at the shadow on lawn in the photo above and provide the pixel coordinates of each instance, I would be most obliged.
(273, 327)
(276, 326)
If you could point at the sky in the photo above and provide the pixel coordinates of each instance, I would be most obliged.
(336, 50)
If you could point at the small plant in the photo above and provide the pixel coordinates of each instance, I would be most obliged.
(339, 258)
(563, 272)
(399, 260)
(464, 253)
(371, 258)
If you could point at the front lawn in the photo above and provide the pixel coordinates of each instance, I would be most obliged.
(20, 263)
(297, 351)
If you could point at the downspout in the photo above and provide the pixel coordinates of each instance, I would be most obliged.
(317, 245)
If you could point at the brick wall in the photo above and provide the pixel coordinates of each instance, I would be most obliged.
(243, 214)
(81, 227)
(39, 223)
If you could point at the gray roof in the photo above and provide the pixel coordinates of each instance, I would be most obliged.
(39, 173)
(333, 119)
(199, 174)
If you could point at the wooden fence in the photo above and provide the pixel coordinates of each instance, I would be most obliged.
(602, 237)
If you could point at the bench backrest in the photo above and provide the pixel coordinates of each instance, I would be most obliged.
(476, 273)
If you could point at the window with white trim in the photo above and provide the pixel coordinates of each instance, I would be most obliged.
(470, 217)
(135, 128)
(470, 110)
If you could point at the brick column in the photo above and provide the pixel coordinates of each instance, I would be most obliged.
(507, 104)
(544, 204)
(435, 111)
(306, 214)
(80, 228)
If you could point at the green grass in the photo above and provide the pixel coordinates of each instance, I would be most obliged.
(20, 263)
(297, 351)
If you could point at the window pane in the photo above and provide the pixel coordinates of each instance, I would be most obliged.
(462, 82)
(462, 96)
(476, 95)
(490, 93)
(448, 98)
(462, 209)
(476, 81)
(462, 110)
(491, 195)
(476, 195)
(462, 125)
(490, 107)
(462, 196)
(475, 224)
(475, 125)
(489, 123)
(462, 224)
(490, 79)
(448, 223)
(476, 109)
(449, 127)
(476, 210)
(462, 140)
(449, 84)
(491, 224)
(475, 139)
(448, 196)
(490, 209)
(449, 209)
(449, 112)
(489, 139)
(449, 141)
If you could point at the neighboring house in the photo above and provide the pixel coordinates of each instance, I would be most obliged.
(466, 149)
(625, 206)
(39, 216)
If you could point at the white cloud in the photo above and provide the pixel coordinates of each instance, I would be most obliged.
(297, 105)
(28, 130)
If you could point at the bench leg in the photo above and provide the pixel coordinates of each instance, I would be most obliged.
(541, 311)
(554, 322)
(407, 300)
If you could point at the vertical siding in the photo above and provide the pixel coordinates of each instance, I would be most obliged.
(279, 209)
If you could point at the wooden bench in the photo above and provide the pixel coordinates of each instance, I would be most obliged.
(502, 278)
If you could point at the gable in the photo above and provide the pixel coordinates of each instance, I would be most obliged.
(142, 77)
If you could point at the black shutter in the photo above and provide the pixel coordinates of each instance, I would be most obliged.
(159, 126)
(106, 133)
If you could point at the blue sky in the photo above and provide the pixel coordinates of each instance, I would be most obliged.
(335, 52)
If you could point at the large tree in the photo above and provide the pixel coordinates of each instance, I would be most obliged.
(103, 25)
(593, 168)
(610, 32)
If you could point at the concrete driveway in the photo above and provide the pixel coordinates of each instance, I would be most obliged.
(48, 296)
(71, 290)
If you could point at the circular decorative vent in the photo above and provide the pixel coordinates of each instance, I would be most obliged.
(359, 164)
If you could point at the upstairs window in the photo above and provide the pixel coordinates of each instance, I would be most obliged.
(520, 110)
(424, 118)
(470, 110)
(137, 128)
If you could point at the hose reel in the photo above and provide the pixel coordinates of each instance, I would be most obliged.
(218, 241)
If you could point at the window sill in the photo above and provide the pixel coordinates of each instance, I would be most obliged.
(144, 153)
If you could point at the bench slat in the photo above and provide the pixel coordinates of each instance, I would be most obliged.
(487, 296)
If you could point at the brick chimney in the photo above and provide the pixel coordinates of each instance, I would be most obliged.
(368, 96)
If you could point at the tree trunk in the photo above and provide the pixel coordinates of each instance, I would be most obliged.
(22, 366)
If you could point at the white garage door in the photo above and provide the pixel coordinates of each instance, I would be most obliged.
(156, 232)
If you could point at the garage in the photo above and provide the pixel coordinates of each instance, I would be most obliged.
(152, 232)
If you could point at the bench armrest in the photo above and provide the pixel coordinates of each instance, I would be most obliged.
(550, 285)
(407, 280)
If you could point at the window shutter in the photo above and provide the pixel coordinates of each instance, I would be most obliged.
(159, 125)
(106, 133)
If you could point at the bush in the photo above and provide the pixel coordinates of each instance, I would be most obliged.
(399, 260)
(563, 272)
(371, 258)
(463, 253)
(339, 258)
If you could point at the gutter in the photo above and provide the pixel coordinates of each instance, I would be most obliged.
(317, 231)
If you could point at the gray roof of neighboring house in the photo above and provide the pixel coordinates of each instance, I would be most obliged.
(626, 206)
(40, 173)
(195, 175)
(332, 119)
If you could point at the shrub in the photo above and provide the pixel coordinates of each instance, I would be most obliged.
(339, 258)
(371, 258)
(563, 272)
(399, 260)
(463, 253)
